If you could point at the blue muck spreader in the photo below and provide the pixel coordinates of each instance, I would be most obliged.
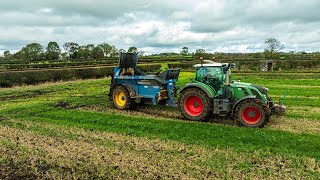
(129, 85)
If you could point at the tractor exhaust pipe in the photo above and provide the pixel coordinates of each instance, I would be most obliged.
(228, 78)
(227, 73)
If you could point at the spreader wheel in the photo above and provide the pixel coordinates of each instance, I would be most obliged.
(194, 104)
(121, 98)
(250, 113)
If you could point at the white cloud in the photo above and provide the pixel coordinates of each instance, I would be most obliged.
(45, 10)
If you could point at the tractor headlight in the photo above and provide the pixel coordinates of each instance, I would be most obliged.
(265, 96)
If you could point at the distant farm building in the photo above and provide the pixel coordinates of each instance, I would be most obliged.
(267, 65)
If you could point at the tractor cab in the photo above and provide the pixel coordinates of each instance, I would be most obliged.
(214, 74)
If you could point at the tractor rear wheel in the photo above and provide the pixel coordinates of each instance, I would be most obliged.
(194, 104)
(251, 113)
(121, 98)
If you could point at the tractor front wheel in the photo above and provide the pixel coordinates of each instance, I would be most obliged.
(250, 113)
(121, 98)
(194, 104)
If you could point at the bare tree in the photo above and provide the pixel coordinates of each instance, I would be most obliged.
(273, 46)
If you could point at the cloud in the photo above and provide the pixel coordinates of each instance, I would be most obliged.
(215, 25)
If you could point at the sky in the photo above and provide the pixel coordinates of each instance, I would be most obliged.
(163, 25)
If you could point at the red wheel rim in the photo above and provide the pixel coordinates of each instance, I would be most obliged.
(251, 115)
(193, 105)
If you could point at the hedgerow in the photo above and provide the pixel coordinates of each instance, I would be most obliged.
(11, 78)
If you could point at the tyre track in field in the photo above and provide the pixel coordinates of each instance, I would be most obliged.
(276, 122)
(151, 112)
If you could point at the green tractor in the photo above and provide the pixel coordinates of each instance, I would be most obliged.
(213, 92)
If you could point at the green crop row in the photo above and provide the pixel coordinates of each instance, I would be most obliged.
(57, 61)
(11, 78)
(296, 64)
(60, 64)
(280, 65)
(54, 65)
(108, 60)
(183, 65)
(255, 65)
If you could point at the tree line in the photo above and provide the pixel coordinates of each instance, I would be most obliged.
(72, 50)
(271, 51)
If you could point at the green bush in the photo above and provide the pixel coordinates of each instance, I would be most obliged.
(296, 64)
(11, 78)
(54, 65)
(165, 59)
(22, 65)
(104, 60)
(150, 68)
(183, 65)
(8, 79)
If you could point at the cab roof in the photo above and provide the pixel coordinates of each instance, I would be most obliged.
(214, 64)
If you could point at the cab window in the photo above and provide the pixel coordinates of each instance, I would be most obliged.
(211, 71)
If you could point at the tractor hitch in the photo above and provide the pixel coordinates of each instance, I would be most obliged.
(278, 109)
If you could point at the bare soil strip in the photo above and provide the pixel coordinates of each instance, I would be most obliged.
(295, 125)
(110, 155)
(294, 96)
(304, 108)
(294, 86)
(113, 158)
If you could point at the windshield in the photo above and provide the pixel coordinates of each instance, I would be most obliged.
(214, 72)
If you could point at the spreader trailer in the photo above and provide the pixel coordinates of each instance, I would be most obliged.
(129, 85)
(211, 92)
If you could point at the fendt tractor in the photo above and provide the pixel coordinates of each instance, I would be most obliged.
(212, 92)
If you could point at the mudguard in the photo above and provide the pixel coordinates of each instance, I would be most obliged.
(211, 93)
(130, 89)
(240, 100)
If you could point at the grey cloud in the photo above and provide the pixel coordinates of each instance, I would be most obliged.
(255, 14)
(227, 25)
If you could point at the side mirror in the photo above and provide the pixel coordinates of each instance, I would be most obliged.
(225, 69)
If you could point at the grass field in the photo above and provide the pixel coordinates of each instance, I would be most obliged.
(71, 130)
